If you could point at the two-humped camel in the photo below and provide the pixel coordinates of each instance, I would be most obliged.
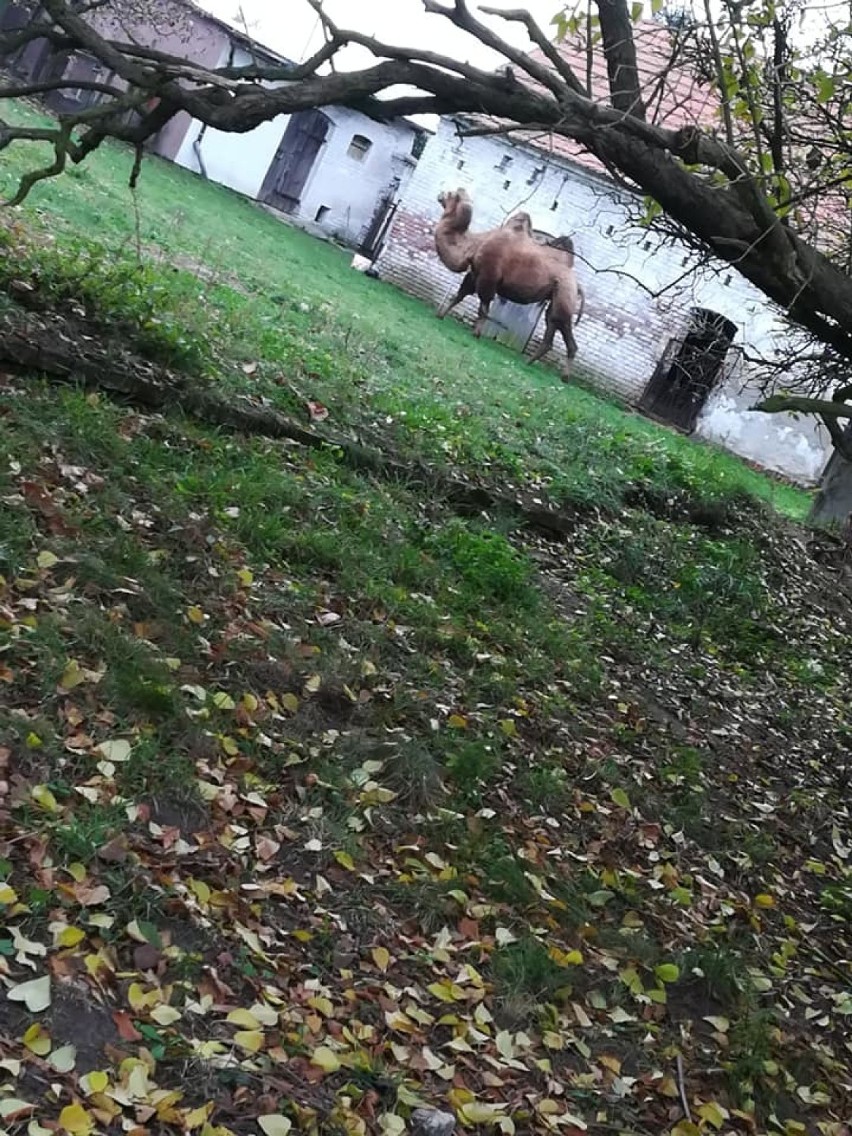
(509, 262)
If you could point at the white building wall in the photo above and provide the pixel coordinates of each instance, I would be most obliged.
(347, 188)
(636, 300)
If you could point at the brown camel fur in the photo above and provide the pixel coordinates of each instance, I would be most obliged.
(509, 262)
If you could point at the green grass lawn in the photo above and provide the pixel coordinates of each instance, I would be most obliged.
(376, 357)
(320, 800)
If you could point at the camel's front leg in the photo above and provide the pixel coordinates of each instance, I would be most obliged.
(486, 295)
(466, 288)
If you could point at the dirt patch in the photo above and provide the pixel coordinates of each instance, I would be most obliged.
(76, 1019)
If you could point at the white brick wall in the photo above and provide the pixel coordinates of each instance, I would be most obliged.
(625, 328)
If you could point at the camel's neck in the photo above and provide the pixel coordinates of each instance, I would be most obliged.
(455, 249)
(453, 239)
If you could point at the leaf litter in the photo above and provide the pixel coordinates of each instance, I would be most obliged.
(329, 852)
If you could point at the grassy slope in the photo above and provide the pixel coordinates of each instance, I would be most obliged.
(408, 805)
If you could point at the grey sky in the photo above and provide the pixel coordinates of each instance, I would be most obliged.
(290, 26)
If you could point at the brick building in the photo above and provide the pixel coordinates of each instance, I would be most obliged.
(666, 339)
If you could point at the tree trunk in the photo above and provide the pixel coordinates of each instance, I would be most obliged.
(834, 500)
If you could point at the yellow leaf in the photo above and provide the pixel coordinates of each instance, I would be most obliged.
(764, 900)
(446, 991)
(37, 1040)
(246, 577)
(345, 860)
(290, 702)
(250, 703)
(229, 745)
(70, 937)
(33, 741)
(313, 684)
(8, 894)
(457, 722)
(201, 891)
(243, 1018)
(714, 1114)
(95, 1082)
(566, 958)
(507, 725)
(326, 1059)
(194, 614)
(46, 559)
(478, 1112)
(381, 957)
(250, 1040)
(76, 1120)
(165, 1015)
(77, 872)
(72, 675)
(322, 1005)
(195, 1117)
(44, 798)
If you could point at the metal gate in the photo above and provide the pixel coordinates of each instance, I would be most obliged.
(690, 367)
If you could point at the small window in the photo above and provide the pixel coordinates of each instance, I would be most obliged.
(504, 163)
(359, 147)
(536, 175)
(460, 164)
(506, 184)
(321, 213)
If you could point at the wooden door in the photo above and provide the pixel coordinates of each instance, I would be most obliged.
(294, 159)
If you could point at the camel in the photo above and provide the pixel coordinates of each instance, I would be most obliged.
(509, 262)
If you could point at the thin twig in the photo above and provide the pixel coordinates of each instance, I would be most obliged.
(681, 1086)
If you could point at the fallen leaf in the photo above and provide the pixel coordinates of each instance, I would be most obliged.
(63, 1059)
(117, 749)
(317, 411)
(326, 1059)
(274, 1124)
(35, 994)
(76, 1120)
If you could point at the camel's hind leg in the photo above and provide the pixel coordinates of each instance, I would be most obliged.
(550, 328)
(556, 320)
(570, 346)
(466, 288)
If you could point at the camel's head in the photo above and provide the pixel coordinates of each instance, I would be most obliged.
(451, 200)
(458, 210)
(519, 223)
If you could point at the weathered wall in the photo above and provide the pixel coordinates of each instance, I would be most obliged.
(623, 269)
(347, 188)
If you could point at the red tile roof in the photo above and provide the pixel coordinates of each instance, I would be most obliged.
(673, 96)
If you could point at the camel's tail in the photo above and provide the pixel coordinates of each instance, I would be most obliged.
(582, 297)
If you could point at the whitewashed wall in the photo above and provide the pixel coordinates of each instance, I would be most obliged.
(625, 327)
(347, 188)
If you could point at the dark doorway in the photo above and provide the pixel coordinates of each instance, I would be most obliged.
(689, 370)
(294, 159)
(374, 235)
